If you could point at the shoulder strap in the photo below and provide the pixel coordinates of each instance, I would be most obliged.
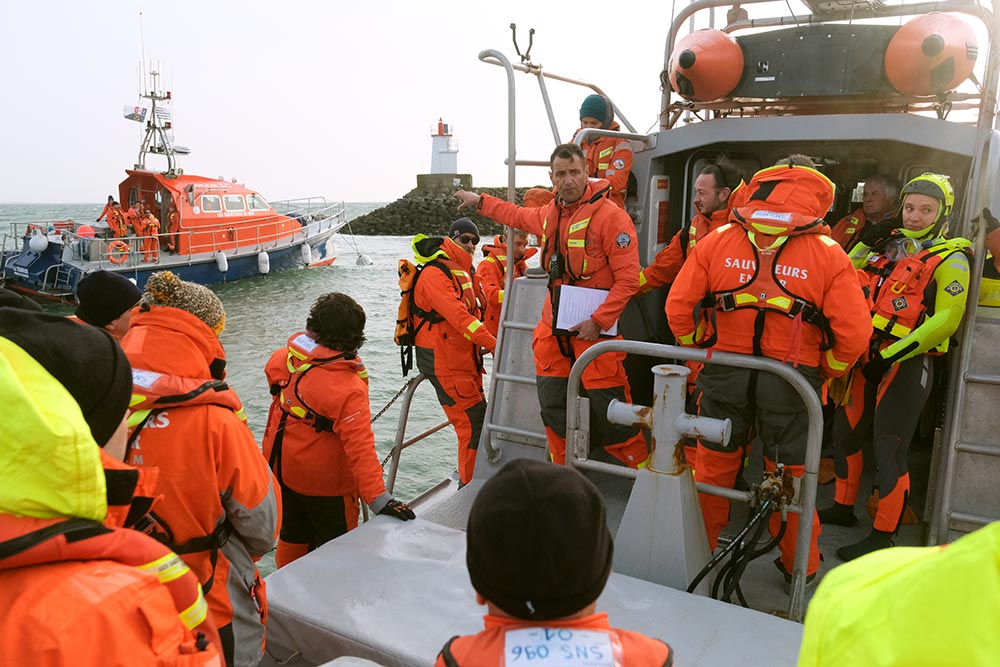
(85, 528)
(446, 655)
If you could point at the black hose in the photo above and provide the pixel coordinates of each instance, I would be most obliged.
(718, 557)
(742, 558)
(752, 524)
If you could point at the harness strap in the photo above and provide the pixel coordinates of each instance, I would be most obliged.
(81, 529)
(446, 654)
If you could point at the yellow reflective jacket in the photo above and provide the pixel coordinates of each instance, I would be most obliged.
(910, 606)
(50, 462)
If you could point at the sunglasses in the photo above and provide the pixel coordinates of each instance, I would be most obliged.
(468, 238)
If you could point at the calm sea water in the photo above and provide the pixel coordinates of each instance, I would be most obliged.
(262, 312)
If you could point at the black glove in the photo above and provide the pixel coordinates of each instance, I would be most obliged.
(876, 369)
(871, 235)
(398, 509)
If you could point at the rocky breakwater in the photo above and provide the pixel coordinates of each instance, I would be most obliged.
(428, 212)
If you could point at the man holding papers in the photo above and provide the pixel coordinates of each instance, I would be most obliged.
(588, 242)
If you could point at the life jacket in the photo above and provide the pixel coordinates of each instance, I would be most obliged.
(765, 294)
(898, 293)
(41, 541)
(152, 394)
(410, 318)
(291, 403)
(778, 203)
(576, 264)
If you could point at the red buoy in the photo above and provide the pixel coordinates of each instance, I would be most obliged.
(931, 54)
(706, 65)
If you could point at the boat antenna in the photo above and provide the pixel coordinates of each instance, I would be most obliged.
(142, 43)
(526, 56)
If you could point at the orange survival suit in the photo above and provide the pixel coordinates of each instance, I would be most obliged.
(771, 284)
(591, 637)
(319, 440)
(220, 509)
(848, 229)
(596, 240)
(492, 275)
(610, 158)
(71, 571)
(449, 346)
(668, 262)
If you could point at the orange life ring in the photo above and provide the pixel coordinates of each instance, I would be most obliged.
(118, 251)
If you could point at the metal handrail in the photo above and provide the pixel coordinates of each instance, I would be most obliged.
(575, 413)
(400, 444)
(537, 71)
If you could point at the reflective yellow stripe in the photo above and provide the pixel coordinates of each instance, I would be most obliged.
(643, 464)
(474, 327)
(363, 374)
(782, 302)
(459, 273)
(642, 279)
(575, 243)
(168, 568)
(744, 298)
(687, 339)
(882, 324)
(136, 399)
(465, 285)
(136, 417)
(603, 165)
(768, 229)
(577, 226)
(240, 414)
(196, 614)
(293, 352)
(298, 412)
(500, 296)
(827, 240)
(606, 152)
(834, 363)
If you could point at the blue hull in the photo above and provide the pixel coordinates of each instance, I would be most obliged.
(41, 273)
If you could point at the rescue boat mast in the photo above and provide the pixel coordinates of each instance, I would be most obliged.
(155, 139)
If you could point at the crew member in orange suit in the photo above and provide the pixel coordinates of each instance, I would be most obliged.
(712, 190)
(107, 209)
(539, 554)
(879, 204)
(116, 221)
(319, 439)
(173, 228)
(781, 289)
(78, 586)
(609, 158)
(492, 273)
(149, 230)
(451, 341)
(587, 241)
(220, 510)
(133, 219)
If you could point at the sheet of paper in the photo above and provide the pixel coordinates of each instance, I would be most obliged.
(577, 304)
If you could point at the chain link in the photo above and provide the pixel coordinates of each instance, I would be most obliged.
(393, 399)
(381, 412)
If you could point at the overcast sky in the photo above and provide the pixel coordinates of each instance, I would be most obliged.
(305, 98)
(301, 98)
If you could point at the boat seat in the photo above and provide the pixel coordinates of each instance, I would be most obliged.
(394, 592)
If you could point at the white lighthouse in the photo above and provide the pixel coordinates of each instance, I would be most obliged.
(444, 150)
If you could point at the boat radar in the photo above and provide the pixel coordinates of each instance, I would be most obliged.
(444, 150)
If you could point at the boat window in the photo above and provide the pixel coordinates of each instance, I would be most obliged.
(257, 203)
(234, 202)
(211, 203)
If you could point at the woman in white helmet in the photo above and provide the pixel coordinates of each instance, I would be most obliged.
(917, 285)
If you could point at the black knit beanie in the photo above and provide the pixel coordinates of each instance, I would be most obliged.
(538, 541)
(102, 297)
(84, 359)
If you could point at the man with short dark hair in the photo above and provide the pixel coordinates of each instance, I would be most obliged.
(319, 439)
(879, 200)
(712, 191)
(587, 241)
(539, 554)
